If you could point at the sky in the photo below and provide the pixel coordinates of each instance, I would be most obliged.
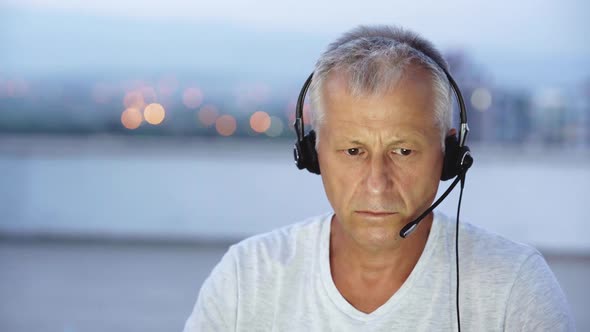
(524, 42)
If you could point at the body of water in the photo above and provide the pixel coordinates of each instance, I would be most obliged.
(220, 189)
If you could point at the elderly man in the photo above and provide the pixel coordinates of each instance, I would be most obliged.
(382, 118)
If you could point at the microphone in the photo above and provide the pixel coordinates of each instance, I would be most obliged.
(466, 162)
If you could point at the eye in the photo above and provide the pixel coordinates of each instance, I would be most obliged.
(353, 151)
(402, 151)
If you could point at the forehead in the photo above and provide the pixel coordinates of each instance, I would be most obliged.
(406, 105)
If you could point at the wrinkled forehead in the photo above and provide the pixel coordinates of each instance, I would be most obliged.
(345, 80)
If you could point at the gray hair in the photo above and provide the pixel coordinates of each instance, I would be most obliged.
(374, 58)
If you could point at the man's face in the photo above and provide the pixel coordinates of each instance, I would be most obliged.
(380, 156)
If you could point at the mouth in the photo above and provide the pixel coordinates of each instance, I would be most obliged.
(375, 214)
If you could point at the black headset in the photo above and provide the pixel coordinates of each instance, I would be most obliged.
(457, 155)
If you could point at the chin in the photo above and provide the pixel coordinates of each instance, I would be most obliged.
(375, 232)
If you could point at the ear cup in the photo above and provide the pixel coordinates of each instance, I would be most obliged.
(305, 154)
(457, 159)
(451, 161)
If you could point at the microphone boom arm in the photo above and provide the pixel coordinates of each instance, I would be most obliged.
(410, 227)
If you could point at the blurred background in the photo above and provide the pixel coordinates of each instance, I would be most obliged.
(139, 139)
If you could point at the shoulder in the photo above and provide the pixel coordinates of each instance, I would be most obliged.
(536, 300)
(260, 266)
(485, 248)
(281, 245)
(499, 270)
(494, 246)
(487, 260)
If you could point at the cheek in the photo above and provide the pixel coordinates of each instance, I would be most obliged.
(426, 178)
(419, 181)
(340, 182)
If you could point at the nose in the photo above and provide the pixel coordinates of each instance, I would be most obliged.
(379, 175)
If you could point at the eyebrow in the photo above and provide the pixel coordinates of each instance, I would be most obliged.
(393, 141)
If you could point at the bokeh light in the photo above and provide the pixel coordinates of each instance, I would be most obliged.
(207, 115)
(481, 99)
(226, 125)
(133, 99)
(192, 97)
(260, 121)
(154, 113)
(276, 127)
(131, 118)
(149, 94)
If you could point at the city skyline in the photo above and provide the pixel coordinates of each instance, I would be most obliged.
(80, 62)
(526, 44)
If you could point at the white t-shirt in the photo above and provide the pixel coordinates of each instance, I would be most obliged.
(281, 281)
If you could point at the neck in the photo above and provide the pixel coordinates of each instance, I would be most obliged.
(394, 261)
(368, 277)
